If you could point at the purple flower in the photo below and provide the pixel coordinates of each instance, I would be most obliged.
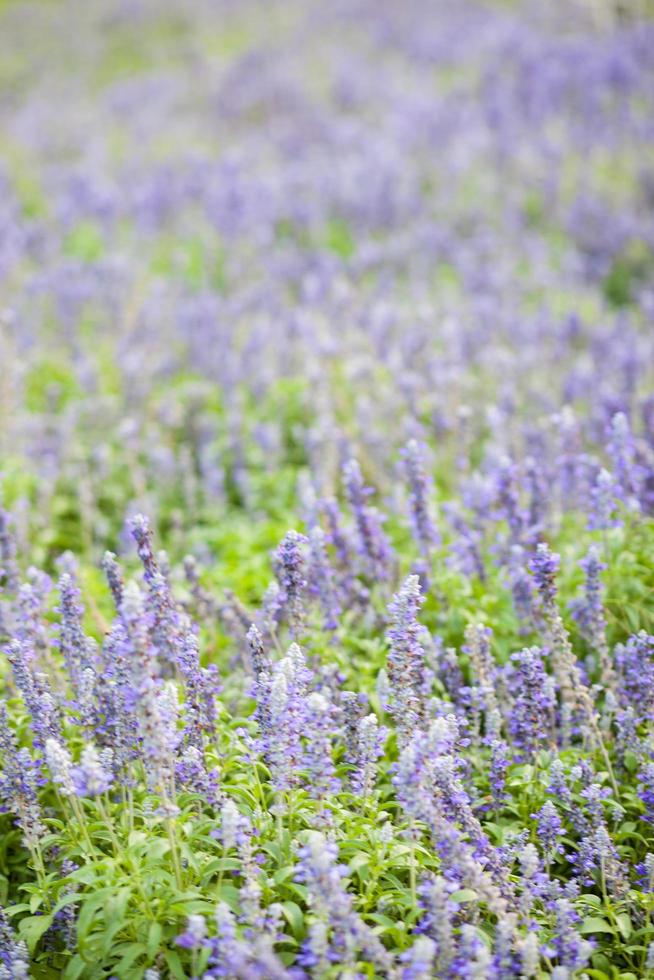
(418, 961)
(14, 956)
(93, 777)
(499, 766)
(114, 576)
(568, 947)
(321, 579)
(602, 505)
(369, 746)
(318, 761)
(9, 575)
(290, 571)
(406, 659)
(348, 935)
(19, 783)
(373, 546)
(422, 522)
(589, 610)
(646, 790)
(195, 933)
(287, 713)
(544, 567)
(635, 664)
(550, 829)
(621, 451)
(533, 702)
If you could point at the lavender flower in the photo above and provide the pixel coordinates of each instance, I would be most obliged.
(422, 522)
(318, 761)
(19, 783)
(406, 659)
(60, 765)
(499, 765)
(589, 612)
(550, 829)
(290, 570)
(418, 961)
(321, 579)
(373, 545)
(601, 515)
(568, 947)
(635, 664)
(282, 744)
(348, 934)
(72, 640)
(9, 576)
(544, 566)
(114, 576)
(621, 451)
(646, 790)
(195, 933)
(92, 776)
(14, 956)
(369, 747)
(532, 708)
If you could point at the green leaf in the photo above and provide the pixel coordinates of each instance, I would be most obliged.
(594, 924)
(32, 928)
(295, 918)
(174, 964)
(155, 933)
(464, 895)
(75, 968)
(624, 924)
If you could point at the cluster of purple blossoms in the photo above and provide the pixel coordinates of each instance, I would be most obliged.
(421, 517)
(373, 546)
(290, 568)
(531, 718)
(14, 957)
(407, 674)
(635, 666)
(343, 935)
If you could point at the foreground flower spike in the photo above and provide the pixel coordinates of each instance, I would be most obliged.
(231, 956)
(287, 713)
(531, 719)
(347, 934)
(19, 781)
(61, 766)
(635, 664)
(573, 691)
(73, 642)
(482, 668)
(418, 961)
(35, 691)
(406, 660)
(154, 702)
(14, 957)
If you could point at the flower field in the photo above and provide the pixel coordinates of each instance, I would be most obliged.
(326, 490)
